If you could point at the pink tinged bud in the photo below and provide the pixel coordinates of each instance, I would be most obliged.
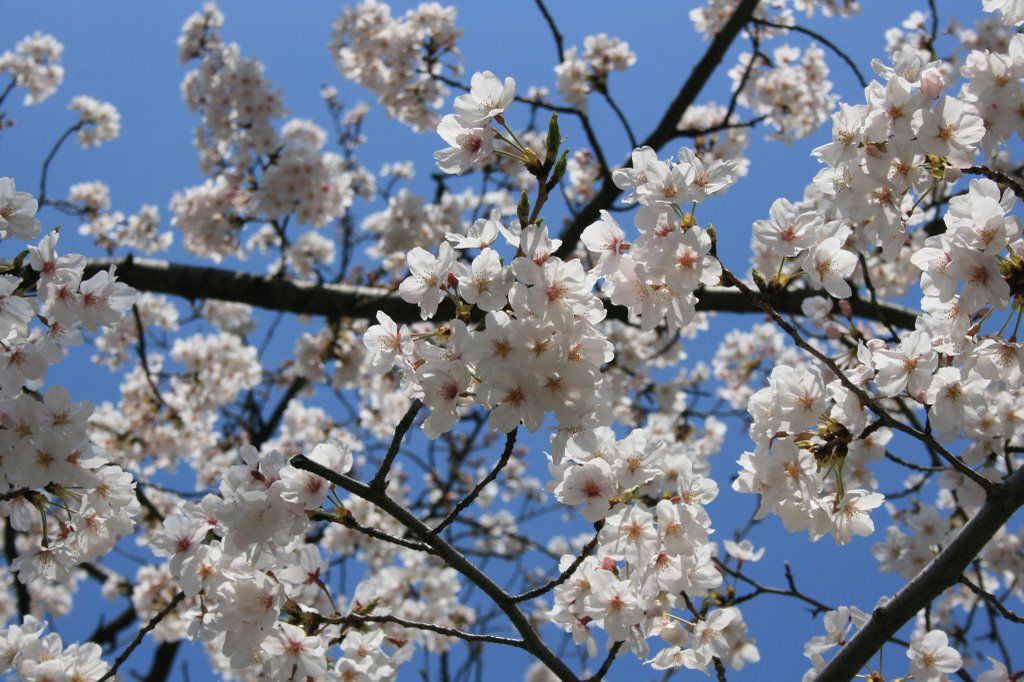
(453, 281)
(833, 332)
(845, 308)
(608, 564)
(951, 174)
(876, 345)
(932, 82)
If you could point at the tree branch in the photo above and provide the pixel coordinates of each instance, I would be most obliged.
(564, 575)
(162, 661)
(380, 481)
(344, 300)
(154, 621)
(945, 570)
(350, 521)
(506, 454)
(606, 666)
(24, 600)
(556, 35)
(992, 601)
(531, 639)
(825, 41)
(416, 625)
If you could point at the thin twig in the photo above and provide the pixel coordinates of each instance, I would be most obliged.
(144, 361)
(267, 428)
(700, 132)
(618, 113)
(350, 521)
(555, 33)
(564, 575)
(821, 39)
(42, 198)
(991, 600)
(6, 91)
(606, 666)
(379, 481)
(755, 50)
(145, 630)
(506, 454)
(910, 465)
(532, 641)
(874, 295)
(416, 625)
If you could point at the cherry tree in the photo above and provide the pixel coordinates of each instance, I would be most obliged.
(487, 434)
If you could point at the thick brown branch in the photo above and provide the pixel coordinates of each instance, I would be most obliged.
(107, 632)
(942, 572)
(268, 428)
(341, 300)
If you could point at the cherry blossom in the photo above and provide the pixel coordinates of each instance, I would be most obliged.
(339, 486)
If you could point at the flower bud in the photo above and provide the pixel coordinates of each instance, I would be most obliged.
(523, 210)
(759, 281)
(876, 345)
(932, 82)
(554, 140)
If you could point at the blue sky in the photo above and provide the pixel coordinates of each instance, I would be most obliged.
(124, 52)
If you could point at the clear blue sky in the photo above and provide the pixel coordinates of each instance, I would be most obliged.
(124, 52)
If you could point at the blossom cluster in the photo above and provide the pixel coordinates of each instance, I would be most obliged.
(651, 557)
(817, 431)
(68, 502)
(397, 58)
(111, 229)
(791, 91)
(655, 275)
(541, 347)
(710, 18)
(579, 75)
(256, 174)
(537, 351)
(98, 121)
(586, 344)
(35, 65)
(468, 130)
